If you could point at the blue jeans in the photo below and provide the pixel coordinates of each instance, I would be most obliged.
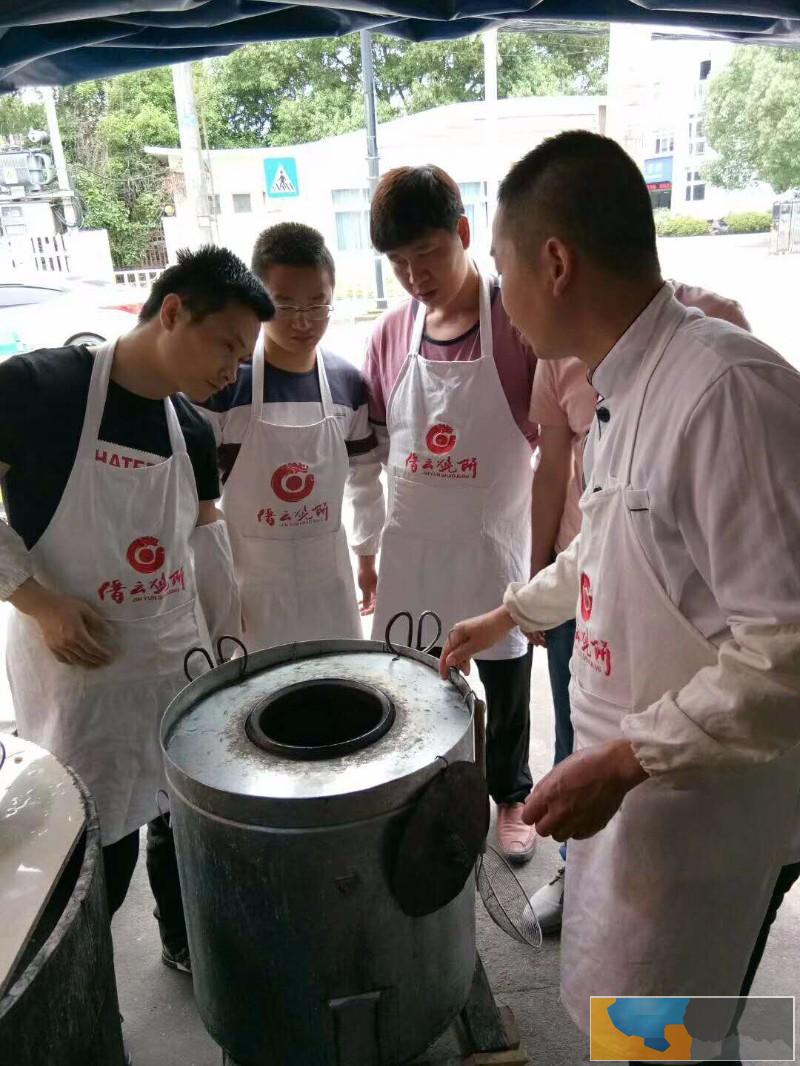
(559, 652)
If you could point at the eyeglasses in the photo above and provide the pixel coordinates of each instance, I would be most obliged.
(315, 313)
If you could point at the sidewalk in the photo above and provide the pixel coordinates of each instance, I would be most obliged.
(162, 1027)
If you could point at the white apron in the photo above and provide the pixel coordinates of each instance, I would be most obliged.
(459, 514)
(119, 541)
(283, 505)
(668, 899)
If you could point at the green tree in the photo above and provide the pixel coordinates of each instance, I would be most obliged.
(267, 93)
(753, 119)
(279, 93)
(106, 126)
(18, 115)
(295, 91)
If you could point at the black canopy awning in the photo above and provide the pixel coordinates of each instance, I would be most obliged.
(57, 42)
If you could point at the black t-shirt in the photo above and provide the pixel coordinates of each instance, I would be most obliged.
(42, 406)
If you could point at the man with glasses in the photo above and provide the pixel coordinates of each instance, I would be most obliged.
(293, 435)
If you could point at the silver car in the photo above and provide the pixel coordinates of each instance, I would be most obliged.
(51, 311)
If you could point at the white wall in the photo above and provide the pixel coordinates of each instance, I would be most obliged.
(84, 253)
(455, 137)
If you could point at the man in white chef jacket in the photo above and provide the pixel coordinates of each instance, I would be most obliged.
(681, 799)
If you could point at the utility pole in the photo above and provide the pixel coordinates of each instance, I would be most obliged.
(68, 198)
(201, 206)
(368, 82)
(490, 112)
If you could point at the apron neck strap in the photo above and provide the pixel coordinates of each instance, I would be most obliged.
(257, 400)
(667, 323)
(324, 386)
(96, 398)
(176, 437)
(96, 403)
(419, 328)
(484, 320)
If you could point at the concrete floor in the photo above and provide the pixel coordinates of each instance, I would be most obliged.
(162, 1027)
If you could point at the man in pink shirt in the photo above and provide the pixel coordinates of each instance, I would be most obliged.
(450, 381)
(563, 403)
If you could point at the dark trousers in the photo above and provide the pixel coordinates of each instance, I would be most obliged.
(119, 860)
(507, 683)
(508, 726)
(786, 878)
(560, 642)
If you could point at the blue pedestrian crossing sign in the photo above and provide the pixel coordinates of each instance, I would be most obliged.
(281, 175)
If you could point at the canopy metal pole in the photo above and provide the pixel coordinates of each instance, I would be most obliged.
(368, 82)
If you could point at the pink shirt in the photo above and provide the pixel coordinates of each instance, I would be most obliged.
(391, 340)
(562, 396)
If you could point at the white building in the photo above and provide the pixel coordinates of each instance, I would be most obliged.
(324, 183)
(657, 87)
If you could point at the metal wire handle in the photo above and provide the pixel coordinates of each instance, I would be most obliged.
(187, 657)
(505, 899)
(163, 815)
(243, 660)
(220, 657)
(387, 637)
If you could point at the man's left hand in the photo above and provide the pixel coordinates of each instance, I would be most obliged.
(582, 794)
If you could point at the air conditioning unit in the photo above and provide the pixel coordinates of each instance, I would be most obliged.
(30, 170)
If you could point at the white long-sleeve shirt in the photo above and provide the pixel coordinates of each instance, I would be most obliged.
(717, 451)
(15, 563)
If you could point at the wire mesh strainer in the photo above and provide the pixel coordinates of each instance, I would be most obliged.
(505, 899)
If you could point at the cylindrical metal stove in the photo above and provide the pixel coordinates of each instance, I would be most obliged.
(60, 1007)
(293, 775)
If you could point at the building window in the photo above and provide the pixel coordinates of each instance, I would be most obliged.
(214, 206)
(697, 135)
(665, 142)
(695, 185)
(241, 203)
(351, 211)
(705, 69)
(476, 208)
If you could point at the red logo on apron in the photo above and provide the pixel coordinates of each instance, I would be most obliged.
(146, 555)
(292, 482)
(586, 597)
(441, 439)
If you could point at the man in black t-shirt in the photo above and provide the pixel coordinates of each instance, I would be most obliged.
(110, 482)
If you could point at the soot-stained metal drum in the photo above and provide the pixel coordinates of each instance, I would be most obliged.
(293, 774)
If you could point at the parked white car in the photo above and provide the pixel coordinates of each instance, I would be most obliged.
(50, 311)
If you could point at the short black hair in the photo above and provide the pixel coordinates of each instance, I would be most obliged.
(206, 281)
(410, 201)
(292, 244)
(587, 189)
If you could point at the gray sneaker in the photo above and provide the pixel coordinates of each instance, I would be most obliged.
(548, 903)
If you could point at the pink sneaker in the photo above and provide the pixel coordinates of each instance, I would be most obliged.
(516, 839)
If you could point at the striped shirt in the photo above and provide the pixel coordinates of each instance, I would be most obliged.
(294, 399)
